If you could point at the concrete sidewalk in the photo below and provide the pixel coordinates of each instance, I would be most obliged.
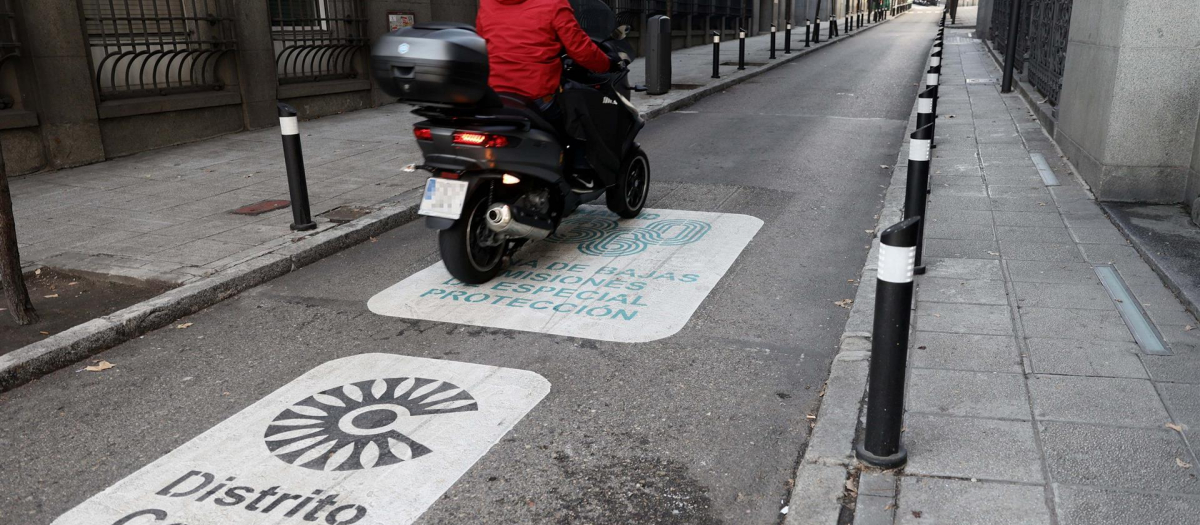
(1029, 400)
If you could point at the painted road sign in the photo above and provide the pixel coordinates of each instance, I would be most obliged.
(372, 439)
(598, 277)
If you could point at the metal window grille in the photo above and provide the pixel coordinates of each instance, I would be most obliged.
(157, 47)
(628, 10)
(10, 49)
(1049, 27)
(1042, 35)
(317, 40)
(1001, 12)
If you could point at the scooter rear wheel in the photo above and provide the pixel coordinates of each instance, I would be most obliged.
(628, 196)
(471, 252)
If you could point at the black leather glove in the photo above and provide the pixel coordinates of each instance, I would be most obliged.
(615, 63)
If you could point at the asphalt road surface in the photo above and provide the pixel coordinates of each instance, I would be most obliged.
(705, 426)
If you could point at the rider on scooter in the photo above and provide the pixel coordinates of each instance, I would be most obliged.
(524, 41)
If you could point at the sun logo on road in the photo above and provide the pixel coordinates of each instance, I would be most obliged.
(358, 426)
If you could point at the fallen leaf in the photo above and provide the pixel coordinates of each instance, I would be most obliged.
(37, 271)
(845, 303)
(1188, 328)
(72, 283)
(920, 348)
(43, 332)
(916, 514)
(184, 325)
(1182, 463)
(994, 253)
(937, 315)
(52, 296)
(1174, 427)
(890, 506)
(884, 166)
(810, 416)
(99, 367)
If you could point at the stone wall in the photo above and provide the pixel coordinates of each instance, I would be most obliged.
(57, 120)
(1131, 97)
(983, 19)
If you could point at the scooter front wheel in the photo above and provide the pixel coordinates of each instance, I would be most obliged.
(628, 196)
(472, 252)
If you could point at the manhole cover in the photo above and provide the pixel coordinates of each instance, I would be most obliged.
(260, 208)
(344, 214)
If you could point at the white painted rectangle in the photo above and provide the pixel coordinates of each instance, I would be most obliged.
(598, 277)
(435, 418)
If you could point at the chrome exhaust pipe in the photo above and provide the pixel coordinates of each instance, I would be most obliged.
(500, 220)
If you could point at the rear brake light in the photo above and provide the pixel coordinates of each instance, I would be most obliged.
(423, 133)
(487, 140)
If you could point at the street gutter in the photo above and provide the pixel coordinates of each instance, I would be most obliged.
(828, 472)
(83, 341)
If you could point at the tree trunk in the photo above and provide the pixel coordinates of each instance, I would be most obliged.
(11, 279)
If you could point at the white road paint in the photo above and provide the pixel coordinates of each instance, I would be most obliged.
(626, 281)
(310, 451)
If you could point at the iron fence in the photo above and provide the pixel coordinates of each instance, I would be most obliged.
(1049, 27)
(10, 50)
(318, 40)
(157, 47)
(630, 10)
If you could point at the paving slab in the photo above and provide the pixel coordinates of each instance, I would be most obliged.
(982, 353)
(1107, 400)
(1146, 459)
(972, 448)
(962, 393)
(934, 500)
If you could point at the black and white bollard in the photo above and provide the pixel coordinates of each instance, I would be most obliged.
(716, 54)
(807, 32)
(925, 115)
(787, 39)
(816, 33)
(881, 446)
(741, 49)
(772, 41)
(932, 77)
(293, 158)
(916, 195)
(833, 27)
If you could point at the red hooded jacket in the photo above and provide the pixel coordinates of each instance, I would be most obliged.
(524, 40)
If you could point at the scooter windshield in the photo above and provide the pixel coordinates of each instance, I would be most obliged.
(597, 19)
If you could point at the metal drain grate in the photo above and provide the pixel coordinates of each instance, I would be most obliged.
(1043, 167)
(1144, 332)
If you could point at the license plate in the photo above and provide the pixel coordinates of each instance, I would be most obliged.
(444, 198)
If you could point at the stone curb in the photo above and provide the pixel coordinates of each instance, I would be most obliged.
(828, 463)
(730, 81)
(80, 342)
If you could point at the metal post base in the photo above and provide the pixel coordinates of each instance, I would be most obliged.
(884, 462)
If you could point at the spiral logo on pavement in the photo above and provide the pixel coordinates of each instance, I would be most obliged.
(358, 426)
(603, 237)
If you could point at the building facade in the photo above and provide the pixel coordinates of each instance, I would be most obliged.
(1119, 86)
(86, 80)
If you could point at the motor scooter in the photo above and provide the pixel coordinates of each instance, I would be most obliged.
(501, 175)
